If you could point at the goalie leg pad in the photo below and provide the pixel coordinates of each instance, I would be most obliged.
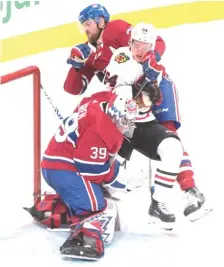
(88, 238)
(51, 211)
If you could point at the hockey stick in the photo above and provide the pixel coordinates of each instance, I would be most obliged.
(141, 87)
(51, 102)
(151, 186)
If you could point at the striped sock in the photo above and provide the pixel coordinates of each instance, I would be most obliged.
(164, 182)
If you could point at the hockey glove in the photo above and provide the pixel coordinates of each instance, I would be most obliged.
(150, 92)
(79, 55)
(151, 68)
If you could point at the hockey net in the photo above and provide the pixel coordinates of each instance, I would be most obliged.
(16, 108)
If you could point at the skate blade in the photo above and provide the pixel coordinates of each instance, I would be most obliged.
(167, 227)
(78, 257)
(199, 214)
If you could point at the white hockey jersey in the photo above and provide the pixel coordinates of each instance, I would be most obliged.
(124, 70)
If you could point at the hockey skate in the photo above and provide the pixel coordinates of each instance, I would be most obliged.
(196, 204)
(159, 213)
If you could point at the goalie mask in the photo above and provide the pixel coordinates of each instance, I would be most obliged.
(123, 111)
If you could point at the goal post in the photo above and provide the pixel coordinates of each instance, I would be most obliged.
(35, 72)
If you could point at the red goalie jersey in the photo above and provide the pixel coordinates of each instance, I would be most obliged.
(85, 141)
(115, 35)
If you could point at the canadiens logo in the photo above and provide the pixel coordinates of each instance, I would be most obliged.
(131, 109)
(131, 106)
(121, 58)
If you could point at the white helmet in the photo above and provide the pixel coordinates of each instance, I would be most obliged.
(145, 33)
(123, 110)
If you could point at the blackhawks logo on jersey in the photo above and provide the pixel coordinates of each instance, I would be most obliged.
(121, 58)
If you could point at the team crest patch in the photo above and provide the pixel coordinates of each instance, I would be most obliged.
(121, 58)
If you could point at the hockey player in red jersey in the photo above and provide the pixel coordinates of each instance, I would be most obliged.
(104, 36)
(79, 159)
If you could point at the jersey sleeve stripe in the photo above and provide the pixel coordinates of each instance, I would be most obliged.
(92, 170)
(57, 158)
(85, 84)
(88, 162)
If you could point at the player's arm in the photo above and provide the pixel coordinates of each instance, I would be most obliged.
(159, 48)
(93, 150)
(110, 135)
(79, 75)
(76, 82)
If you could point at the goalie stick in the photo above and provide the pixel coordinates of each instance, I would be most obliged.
(51, 102)
(146, 80)
(151, 184)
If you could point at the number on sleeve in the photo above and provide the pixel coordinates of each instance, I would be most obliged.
(98, 152)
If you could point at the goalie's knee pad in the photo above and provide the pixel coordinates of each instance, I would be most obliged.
(89, 236)
(105, 221)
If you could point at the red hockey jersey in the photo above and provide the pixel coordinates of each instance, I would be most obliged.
(85, 141)
(115, 35)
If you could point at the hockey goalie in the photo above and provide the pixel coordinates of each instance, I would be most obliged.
(79, 161)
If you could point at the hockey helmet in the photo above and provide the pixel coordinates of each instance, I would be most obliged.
(145, 33)
(94, 12)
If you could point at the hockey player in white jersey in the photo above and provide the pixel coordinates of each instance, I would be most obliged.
(150, 137)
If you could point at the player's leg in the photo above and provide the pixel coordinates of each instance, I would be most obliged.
(167, 113)
(87, 206)
(154, 141)
(125, 150)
